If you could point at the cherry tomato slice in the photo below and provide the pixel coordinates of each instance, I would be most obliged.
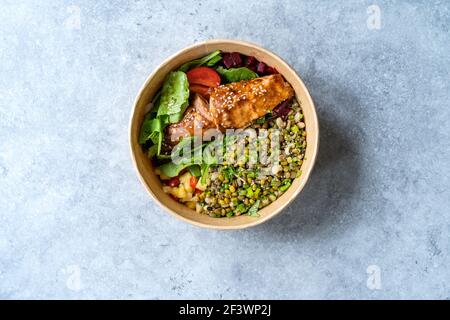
(174, 182)
(201, 90)
(193, 182)
(203, 76)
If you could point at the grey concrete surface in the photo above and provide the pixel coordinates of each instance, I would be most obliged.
(372, 223)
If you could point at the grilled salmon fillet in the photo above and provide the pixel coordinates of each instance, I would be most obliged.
(237, 104)
(234, 105)
(197, 118)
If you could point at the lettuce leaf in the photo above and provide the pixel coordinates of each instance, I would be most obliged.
(169, 107)
(174, 95)
(236, 74)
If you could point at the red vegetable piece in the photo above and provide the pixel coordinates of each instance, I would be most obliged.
(261, 68)
(202, 90)
(251, 63)
(271, 70)
(282, 110)
(197, 191)
(204, 76)
(193, 182)
(174, 182)
(232, 59)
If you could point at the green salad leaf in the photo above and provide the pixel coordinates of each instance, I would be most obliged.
(191, 161)
(253, 211)
(174, 96)
(195, 170)
(209, 60)
(148, 129)
(152, 151)
(213, 61)
(236, 74)
(193, 142)
(199, 159)
(171, 169)
(170, 104)
(205, 168)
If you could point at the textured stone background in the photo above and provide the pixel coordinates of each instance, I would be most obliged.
(76, 223)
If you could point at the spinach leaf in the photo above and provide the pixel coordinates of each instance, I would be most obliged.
(209, 60)
(236, 74)
(253, 211)
(171, 169)
(213, 61)
(189, 149)
(149, 127)
(195, 170)
(203, 155)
